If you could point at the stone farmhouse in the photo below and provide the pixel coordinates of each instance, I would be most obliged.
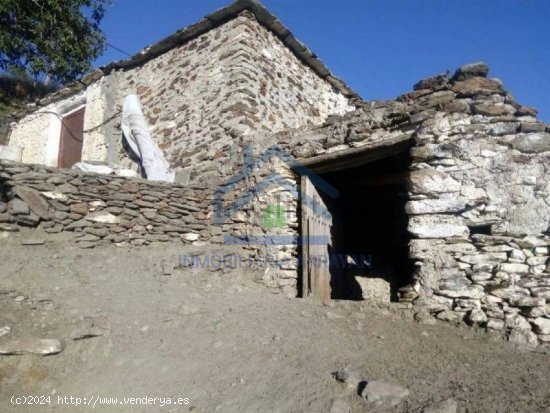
(444, 191)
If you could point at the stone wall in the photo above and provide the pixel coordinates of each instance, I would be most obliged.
(102, 209)
(200, 99)
(480, 208)
(266, 224)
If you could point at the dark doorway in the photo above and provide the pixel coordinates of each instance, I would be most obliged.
(70, 145)
(369, 228)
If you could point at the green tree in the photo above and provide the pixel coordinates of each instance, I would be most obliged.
(57, 39)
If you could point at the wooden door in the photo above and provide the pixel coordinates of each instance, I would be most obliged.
(70, 145)
(316, 242)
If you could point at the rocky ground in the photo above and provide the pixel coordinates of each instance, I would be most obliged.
(128, 325)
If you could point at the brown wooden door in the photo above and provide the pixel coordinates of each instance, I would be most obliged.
(316, 243)
(70, 145)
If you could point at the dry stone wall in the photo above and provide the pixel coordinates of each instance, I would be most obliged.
(266, 224)
(103, 209)
(480, 208)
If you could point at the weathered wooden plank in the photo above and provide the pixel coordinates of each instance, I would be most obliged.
(353, 157)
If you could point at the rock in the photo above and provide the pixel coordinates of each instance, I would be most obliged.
(19, 298)
(381, 392)
(532, 143)
(460, 288)
(434, 206)
(103, 217)
(517, 322)
(33, 241)
(524, 338)
(340, 406)
(536, 312)
(450, 316)
(500, 129)
(30, 220)
(80, 208)
(18, 207)
(431, 182)
(432, 83)
(98, 232)
(517, 256)
(476, 85)
(445, 406)
(97, 204)
(541, 325)
(437, 226)
(347, 377)
(36, 203)
(530, 241)
(477, 69)
(78, 224)
(529, 127)
(477, 316)
(488, 109)
(525, 301)
(42, 347)
(5, 331)
(58, 196)
(514, 268)
(191, 237)
(67, 189)
(494, 324)
(8, 228)
(374, 289)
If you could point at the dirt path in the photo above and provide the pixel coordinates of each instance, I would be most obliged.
(227, 344)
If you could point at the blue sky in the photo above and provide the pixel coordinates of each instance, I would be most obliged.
(380, 47)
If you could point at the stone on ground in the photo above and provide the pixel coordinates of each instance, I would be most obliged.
(44, 346)
(382, 392)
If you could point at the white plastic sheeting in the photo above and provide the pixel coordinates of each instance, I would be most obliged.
(136, 133)
(103, 169)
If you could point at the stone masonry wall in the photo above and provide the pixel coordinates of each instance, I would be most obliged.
(200, 99)
(480, 209)
(103, 209)
(267, 224)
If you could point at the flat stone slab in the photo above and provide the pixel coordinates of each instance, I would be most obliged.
(382, 392)
(40, 346)
(33, 241)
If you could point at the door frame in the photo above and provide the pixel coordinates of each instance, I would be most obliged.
(316, 221)
(53, 130)
(62, 136)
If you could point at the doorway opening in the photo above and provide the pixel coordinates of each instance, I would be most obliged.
(369, 241)
(71, 139)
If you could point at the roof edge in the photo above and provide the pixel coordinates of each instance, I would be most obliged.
(186, 34)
